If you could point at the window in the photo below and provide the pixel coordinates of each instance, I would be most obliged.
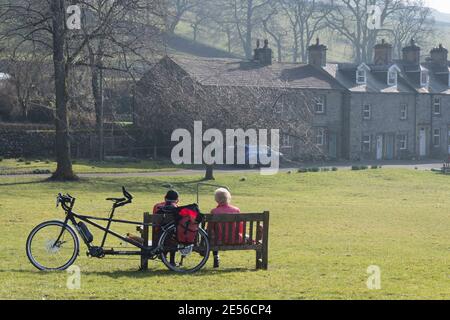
(437, 105)
(424, 78)
(320, 136)
(286, 141)
(403, 141)
(367, 112)
(437, 137)
(403, 112)
(366, 143)
(392, 78)
(361, 77)
(319, 106)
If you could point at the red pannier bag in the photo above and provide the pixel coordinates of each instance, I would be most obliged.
(187, 221)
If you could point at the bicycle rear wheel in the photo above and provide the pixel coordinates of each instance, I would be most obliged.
(46, 252)
(184, 258)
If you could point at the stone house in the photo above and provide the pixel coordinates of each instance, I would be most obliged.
(291, 83)
(385, 110)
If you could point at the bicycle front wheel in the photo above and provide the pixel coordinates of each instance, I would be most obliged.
(52, 246)
(184, 258)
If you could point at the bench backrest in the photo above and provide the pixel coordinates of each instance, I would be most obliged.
(244, 231)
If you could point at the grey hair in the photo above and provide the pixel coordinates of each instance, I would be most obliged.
(222, 196)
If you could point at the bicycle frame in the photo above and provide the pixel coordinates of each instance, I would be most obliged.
(144, 248)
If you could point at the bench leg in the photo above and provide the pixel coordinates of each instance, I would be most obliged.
(259, 260)
(144, 263)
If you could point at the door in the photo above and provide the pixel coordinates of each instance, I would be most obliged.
(380, 147)
(422, 142)
(332, 146)
(390, 146)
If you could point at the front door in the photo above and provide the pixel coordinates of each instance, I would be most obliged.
(390, 146)
(422, 142)
(380, 147)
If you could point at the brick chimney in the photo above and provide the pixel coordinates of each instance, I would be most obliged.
(411, 54)
(317, 54)
(263, 55)
(382, 53)
(439, 56)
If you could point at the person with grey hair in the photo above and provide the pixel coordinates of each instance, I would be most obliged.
(223, 199)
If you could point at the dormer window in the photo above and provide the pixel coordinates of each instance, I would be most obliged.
(392, 78)
(424, 78)
(361, 74)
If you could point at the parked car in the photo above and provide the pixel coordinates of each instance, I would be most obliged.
(253, 155)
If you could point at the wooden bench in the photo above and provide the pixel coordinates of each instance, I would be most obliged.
(255, 236)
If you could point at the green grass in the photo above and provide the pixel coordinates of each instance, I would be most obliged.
(326, 229)
(27, 166)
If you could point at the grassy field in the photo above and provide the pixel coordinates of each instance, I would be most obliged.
(27, 166)
(326, 229)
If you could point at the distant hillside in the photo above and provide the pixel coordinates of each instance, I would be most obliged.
(441, 17)
(180, 44)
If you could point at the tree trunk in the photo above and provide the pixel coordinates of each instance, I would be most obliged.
(209, 175)
(97, 92)
(64, 169)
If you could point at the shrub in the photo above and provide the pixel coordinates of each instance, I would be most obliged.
(1, 159)
(363, 167)
(334, 169)
(21, 160)
(326, 169)
(39, 171)
(302, 170)
(355, 168)
(314, 169)
(28, 163)
(374, 167)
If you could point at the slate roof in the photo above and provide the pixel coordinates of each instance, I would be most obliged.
(236, 72)
(376, 79)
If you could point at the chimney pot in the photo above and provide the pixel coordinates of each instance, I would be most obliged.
(411, 54)
(383, 53)
(439, 56)
(317, 54)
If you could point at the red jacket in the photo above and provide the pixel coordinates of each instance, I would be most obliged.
(219, 236)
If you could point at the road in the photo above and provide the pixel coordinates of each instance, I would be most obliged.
(413, 165)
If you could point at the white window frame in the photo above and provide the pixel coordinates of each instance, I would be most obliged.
(365, 142)
(369, 110)
(394, 70)
(404, 112)
(403, 139)
(437, 102)
(286, 142)
(320, 136)
(319, 101)
(437, 134)
(361, 74)
(394, 78)
(425, 74)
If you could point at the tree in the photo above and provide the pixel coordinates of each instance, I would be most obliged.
(246, 16)
(43, 24)
(413, 21)
(306, 18)
(349, 19)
